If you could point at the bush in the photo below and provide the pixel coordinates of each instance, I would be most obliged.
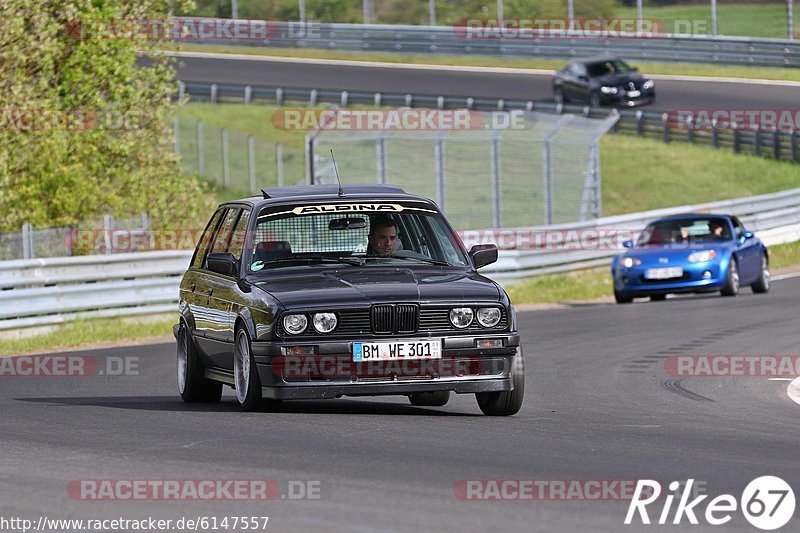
(84, 130)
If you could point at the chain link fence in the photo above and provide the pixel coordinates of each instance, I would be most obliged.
(546, 170)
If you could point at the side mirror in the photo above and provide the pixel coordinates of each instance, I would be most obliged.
(627, 244)
(222, 263)
(483, 254)
(748, 235)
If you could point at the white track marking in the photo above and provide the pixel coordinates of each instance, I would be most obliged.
(793, 390)
(423, 66)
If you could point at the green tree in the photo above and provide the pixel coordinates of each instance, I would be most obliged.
(84, 130)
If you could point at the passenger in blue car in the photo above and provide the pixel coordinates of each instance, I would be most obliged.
(718, 230)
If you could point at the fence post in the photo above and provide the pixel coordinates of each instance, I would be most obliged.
(312, 97)
(176, 142)
(380, 152)
(665, 122)
(494, 157)
(548, 182)
(343, 99)
(226, 167)
(776, 144)
(737, 140)
(251, 162)
(714, 133)
(279, 97)
(248, 95)
(795, 155)
(27, 241)
(690, 129)
(758, 140)
(181, 90)
(439, 156)
(213, 93)
(279, 162)
(639, 122)
(201, 167)
(108, 227)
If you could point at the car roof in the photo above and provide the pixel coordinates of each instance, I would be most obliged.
(685, 216)
(290, 194)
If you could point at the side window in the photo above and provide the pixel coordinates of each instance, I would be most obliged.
(200, 252)
(237, 241)
(223, 236)
(738, 227)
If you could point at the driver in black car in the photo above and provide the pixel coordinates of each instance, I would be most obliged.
(382, 237)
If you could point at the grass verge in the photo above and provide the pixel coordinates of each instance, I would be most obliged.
(92, 333)
(646, 67)
(596, 283)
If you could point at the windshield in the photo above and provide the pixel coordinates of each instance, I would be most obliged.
(701, 229)
(311, 235)
(605, 68)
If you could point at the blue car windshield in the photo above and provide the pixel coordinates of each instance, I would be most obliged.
(705, 229)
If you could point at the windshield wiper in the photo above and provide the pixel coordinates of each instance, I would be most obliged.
(423, 259)
(316, 259)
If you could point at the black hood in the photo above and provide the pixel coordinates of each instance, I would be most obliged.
(620, 79)
(300, 288)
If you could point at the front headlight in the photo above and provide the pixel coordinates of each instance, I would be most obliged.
(629, 262)
(461, 317)
(702, 256)
(488, 317)
(324, 322)
(295, 324)
(608, 90)
(649, 84)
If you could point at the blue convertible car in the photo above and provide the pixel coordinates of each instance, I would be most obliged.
(691, 253)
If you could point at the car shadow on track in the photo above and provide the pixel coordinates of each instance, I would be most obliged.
(170, 403)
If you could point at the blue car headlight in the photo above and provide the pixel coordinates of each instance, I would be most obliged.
(702, 256)
(629, 262)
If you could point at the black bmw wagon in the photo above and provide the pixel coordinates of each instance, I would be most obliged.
(318, 291)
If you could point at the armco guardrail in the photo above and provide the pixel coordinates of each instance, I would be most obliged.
(545, 44)
(777, 144)
(41, 292)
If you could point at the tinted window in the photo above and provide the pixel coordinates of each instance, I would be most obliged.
(237, 241)
(222, 239)
(686, 230)
(200, 252)
(605, 68)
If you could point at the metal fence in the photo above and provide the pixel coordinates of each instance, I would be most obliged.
(539, 169)
(232, 160)
(777, 144)
(92, 237)
(439, 40)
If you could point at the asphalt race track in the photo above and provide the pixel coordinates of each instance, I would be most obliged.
(670, 94)
(599, 406)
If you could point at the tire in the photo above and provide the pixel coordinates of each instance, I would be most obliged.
(192, 384)
(505, 403)
(658, 297)
(621, 298)
(594, 99)
(558, 95)
(430, 399)
(245, 376)
(731, 287)
(762, 285)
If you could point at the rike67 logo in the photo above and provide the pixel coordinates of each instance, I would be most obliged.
(767, 503)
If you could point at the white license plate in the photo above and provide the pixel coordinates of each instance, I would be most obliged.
(663, 273)
(634, 94)
(385, 351)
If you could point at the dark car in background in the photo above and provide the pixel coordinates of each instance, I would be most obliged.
(314, 292)
(691, 253)
(602, 81)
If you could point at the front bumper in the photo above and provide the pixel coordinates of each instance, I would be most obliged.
(632, 282)
(625, 100)
(331, 373)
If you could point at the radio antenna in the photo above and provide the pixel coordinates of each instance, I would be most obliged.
(336, 170)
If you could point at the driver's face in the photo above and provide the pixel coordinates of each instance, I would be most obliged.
(383, 239)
